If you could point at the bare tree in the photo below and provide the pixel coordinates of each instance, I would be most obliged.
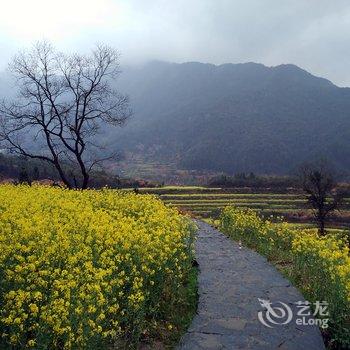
(319, 184)
(64, 102)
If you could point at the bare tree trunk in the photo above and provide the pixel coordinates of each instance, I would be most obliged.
(84, 172)
(62, 175)
(318, 182)
(321, 217)
(64, 129)
(85, 181)
(321, 229)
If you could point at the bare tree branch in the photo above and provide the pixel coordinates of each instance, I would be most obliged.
(318, 183)
(62, 103)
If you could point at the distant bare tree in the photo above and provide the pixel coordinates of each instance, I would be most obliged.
(63, 102)
(319, 184)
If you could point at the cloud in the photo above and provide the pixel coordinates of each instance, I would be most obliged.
(313, 34)
(25, 20)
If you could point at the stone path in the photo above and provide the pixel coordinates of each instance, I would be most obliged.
(230, 282)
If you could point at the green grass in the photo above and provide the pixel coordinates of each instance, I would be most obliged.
(237, 204)
(168, 335)
(207, 203)
(228, 195)
(178, 189)
(234, 200)
(311, 226)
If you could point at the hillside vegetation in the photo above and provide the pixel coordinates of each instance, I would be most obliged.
(229, 118)
(234, 117)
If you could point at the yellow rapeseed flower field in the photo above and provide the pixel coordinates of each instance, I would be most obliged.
(319, 266)
(85, 269)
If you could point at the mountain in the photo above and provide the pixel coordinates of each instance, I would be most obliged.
(234, 117)
(229, 118)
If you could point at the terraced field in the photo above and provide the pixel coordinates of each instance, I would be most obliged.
(205, 202)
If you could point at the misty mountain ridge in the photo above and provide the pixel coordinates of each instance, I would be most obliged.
(234, 117)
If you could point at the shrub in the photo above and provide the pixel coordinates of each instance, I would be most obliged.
(271, 240)
(322, 269)
(319, 266)
(86, 269)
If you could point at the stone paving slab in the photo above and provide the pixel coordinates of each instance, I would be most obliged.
(230, 282)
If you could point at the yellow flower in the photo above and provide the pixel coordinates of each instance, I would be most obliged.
(319, 265)
(31, 343)
(33, 308)
(78, 265)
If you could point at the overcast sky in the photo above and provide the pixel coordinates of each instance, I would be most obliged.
(314, 34)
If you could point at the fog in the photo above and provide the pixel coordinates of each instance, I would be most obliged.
(312, 34)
